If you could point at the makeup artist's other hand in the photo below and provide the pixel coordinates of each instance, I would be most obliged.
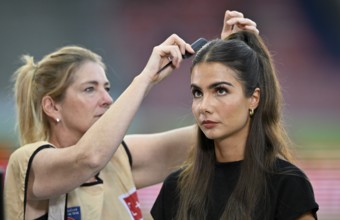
(234, 21)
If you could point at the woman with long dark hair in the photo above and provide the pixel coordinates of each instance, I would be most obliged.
(241, 168)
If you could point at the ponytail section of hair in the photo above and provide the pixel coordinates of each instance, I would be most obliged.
(254, 41)
(26, 102)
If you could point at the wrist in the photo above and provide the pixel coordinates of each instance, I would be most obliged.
(143, 81)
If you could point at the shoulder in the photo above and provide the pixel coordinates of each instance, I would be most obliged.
(166, 204)
(19, 161)
(286, 170)
(170, 184)
(174, 175)
(288, 176)
(172, 178)
(281, 165)
(292, 190)
(28, 150)
(19, 164)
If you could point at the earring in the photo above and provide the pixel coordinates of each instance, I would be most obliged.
(58, 120)
(251, 112)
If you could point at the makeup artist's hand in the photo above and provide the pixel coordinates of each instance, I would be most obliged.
(234, 21)
(171, 50)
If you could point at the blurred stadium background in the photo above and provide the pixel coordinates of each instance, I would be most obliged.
(303, 35)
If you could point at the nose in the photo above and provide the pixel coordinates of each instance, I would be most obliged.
(205, 105)
(106, 99)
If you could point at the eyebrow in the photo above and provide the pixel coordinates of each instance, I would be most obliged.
(107, 83)
(214, 85)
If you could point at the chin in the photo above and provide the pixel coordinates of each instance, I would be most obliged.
(209, 134)
(95, 119)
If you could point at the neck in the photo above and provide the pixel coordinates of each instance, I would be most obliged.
(229, 153)
(61, 138)
(230, 149)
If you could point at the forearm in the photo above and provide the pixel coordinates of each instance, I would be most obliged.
(178, 144)
(156, 155)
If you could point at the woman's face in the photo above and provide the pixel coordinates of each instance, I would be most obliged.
(86, 99)
(219, 105)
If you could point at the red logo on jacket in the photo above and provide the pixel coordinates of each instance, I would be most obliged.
(132, 203)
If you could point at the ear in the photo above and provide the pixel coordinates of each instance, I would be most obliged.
(50, 108)
(254, 99)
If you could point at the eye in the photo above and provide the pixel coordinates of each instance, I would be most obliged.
(108, 89)
(196, 93)
(89, 89)
(221, 91)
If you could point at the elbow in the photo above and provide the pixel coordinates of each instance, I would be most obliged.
(92, 158)
(91, 162)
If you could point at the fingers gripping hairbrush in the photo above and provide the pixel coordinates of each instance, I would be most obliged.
(198, 44)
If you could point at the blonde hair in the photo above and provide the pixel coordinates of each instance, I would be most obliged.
(49, 77)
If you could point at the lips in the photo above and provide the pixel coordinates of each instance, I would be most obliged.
(99, 115)
(209, 124)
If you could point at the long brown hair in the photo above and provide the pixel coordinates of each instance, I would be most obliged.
(247, 55)
(51, 76)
